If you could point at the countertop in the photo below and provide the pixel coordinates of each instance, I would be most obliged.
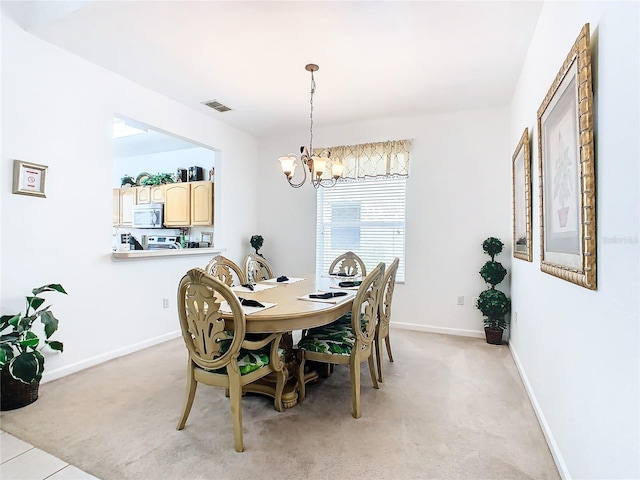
(170, 252)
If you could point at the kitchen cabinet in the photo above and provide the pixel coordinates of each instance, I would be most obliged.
(177, 205)
(123, 201)
(188, 204)
(150, 194)
(144, 195)
(157, 194)
(201, 203)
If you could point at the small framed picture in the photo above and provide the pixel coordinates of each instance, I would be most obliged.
(29, 178)
(207, 237)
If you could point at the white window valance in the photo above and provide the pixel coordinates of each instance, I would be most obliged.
(381, 159)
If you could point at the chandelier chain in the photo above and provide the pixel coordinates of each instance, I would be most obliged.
(313, 89)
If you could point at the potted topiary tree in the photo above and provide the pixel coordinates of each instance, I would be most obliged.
(256, 243)
(493, 303)
(21, 361)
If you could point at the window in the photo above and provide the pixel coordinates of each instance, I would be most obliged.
(366, 217)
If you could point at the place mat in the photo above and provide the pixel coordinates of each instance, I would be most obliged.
(256, 288)
(343, 298)
(291, 280)
(224, 307)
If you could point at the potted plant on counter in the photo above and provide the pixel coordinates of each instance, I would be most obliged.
(21, 361)
(493, 303)
(256, 243)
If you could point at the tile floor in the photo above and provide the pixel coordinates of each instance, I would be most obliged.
(22, 461)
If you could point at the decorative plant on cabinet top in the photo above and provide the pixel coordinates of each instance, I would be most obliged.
(493, 303)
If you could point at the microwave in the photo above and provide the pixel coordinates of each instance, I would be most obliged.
(148, 215)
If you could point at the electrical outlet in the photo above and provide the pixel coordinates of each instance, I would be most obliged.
(515, 317)
(165, 303)
(460, 299)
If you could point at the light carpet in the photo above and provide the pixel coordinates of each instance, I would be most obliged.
(449, 408)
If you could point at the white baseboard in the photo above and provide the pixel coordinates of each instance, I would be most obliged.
(431, 329)
(553, 446)
(90, 362)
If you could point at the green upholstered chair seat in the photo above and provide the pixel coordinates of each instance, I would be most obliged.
(248, 360)
(333, 339)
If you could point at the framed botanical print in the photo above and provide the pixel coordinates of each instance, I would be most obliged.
(521, 193)
(567, 171)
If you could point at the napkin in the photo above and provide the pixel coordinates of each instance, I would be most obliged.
(341, 274)
(288, 280)
(246, 302)
(350, 284)
(327, 295)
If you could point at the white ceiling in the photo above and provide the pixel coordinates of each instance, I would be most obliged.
(376, 58)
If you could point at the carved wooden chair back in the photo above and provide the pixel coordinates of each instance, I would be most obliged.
(226, 271)
(218, 349)
(348, 263)
(384, 315)
(256, 268)
(348, 344)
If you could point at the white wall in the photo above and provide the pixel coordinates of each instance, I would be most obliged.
(57, 110)
(578, 350)
(458, 194)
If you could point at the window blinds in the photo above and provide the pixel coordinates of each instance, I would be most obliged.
(366, 217)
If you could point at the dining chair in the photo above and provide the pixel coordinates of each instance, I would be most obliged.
(220, 354)
(256, 268)
(348, 263)
(224, 270)
(347, 344)
(384, 315)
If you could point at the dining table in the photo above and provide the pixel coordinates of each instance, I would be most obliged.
(288, 308)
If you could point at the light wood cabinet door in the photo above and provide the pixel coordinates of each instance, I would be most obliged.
(128, 198)
(116, 207)
(157, 194)
(144, 195)
(202, 203)
(177, 205)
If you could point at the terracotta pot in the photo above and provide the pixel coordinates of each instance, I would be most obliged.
(15, 394)
(494, 336)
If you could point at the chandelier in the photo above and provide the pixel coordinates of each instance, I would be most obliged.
(317, 165)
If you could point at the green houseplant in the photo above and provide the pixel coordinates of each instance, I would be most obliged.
(21, 360)
(493, 303)
(256, 243)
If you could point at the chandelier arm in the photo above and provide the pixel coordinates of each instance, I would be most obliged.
(304, 178)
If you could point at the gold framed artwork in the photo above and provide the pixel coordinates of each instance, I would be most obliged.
(29, 178)
(567, 171)
(521, 194)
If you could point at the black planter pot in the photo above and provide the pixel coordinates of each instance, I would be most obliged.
(494, 336)
(15, 394)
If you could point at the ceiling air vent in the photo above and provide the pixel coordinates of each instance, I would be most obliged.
(217, 106)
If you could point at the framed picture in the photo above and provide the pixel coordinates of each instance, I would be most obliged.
(207, 237)
(567, 171)
(521, 193)
(29, 178)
